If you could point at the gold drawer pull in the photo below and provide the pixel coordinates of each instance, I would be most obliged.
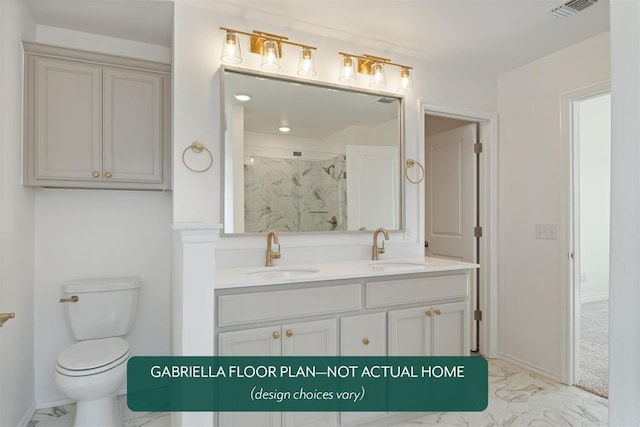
(107, 175)
(289, 333)
(73, 298)
(429, 313)
(366, 341)
(438, 312)
(276, 335)
(95, 174)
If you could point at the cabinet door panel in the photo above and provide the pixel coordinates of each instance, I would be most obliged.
(310, 339)
(252, 342)
(410, 332)
(363, 335)
(451, 337)
(354, 330)
(132, 125)
(68, 115)
(318, 338)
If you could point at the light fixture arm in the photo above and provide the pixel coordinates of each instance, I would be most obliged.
(372, 58)
(268, 36)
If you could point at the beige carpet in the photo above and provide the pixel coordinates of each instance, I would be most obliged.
(594, 348)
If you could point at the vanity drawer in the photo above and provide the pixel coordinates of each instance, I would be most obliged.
(363, 335)
(262, 306)
(405, 291)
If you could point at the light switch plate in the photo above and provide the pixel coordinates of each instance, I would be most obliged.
(547, 231)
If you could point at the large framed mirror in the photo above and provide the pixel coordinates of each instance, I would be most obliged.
(302, 156)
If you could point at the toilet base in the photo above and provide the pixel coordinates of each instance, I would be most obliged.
(97, 413)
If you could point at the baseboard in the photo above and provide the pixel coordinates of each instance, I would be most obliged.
(530, 367)
(52, 402)
(601, 296)
(27, 415)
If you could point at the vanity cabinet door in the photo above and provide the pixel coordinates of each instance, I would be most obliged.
(251, 342)
(410, 332)
(451, 330)
(436, 330)
(362, 335)
(319, 338)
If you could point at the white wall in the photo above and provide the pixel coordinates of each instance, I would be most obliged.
(99, 233)
(624, 296)
(594, 136)
(16, 226)
(533, 170)
(197, 197)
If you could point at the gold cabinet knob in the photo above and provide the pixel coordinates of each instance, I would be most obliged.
(438, 312)
(289, 333)
(429, 313)
(276, 335)
(366, 341)
(107, 175)
(74, 298)
(95, 174)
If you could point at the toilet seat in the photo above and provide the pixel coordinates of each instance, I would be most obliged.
(91, 357)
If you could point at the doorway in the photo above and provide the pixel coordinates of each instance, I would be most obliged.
(590, 142)
(452, 225)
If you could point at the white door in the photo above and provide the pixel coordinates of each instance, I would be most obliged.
(450, 199)
(410, 332)
(373, 181)
(450, 180)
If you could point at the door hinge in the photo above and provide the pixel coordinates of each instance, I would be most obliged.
(477, 231)
(477, 147)
(571, 255)
(477, 315)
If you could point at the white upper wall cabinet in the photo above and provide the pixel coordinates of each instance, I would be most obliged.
(95, 120)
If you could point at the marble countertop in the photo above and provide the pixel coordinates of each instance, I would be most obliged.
(229, 278)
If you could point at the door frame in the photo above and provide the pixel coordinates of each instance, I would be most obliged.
(569, 214)
(488, 126)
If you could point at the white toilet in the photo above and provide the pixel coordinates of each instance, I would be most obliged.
(91, 370)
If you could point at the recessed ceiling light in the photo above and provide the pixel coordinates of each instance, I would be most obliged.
(241, 97)
(284, 129)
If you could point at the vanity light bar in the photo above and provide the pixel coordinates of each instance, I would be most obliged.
(374, 66)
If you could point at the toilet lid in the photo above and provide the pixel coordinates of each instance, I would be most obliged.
(91, 354)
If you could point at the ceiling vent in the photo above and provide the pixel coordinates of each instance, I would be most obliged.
(571, 7)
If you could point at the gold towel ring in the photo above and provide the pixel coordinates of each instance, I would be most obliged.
(197, 147)
(411, 163)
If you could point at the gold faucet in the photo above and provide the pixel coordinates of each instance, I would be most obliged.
(271, 254)
(378, 250)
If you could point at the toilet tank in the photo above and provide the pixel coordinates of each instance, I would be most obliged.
(105, 307)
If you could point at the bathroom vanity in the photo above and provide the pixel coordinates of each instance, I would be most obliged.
(399, 307)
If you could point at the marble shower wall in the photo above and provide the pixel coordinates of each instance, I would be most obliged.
(295, 194)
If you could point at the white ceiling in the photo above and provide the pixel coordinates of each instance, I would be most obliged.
(488, 35)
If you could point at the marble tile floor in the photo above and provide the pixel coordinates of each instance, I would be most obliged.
(517, 397)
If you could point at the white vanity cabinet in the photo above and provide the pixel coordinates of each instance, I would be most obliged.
(398, 315)
(313, 338)
(95, 120)
(436, 330)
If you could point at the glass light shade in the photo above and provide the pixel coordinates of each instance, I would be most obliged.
(306, 64)
(231, 53)
(270, 56)
(406, 82)
(348, 70)
(377, 76)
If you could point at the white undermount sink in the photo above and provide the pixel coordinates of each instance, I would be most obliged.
(281, 272)
(396, 265)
